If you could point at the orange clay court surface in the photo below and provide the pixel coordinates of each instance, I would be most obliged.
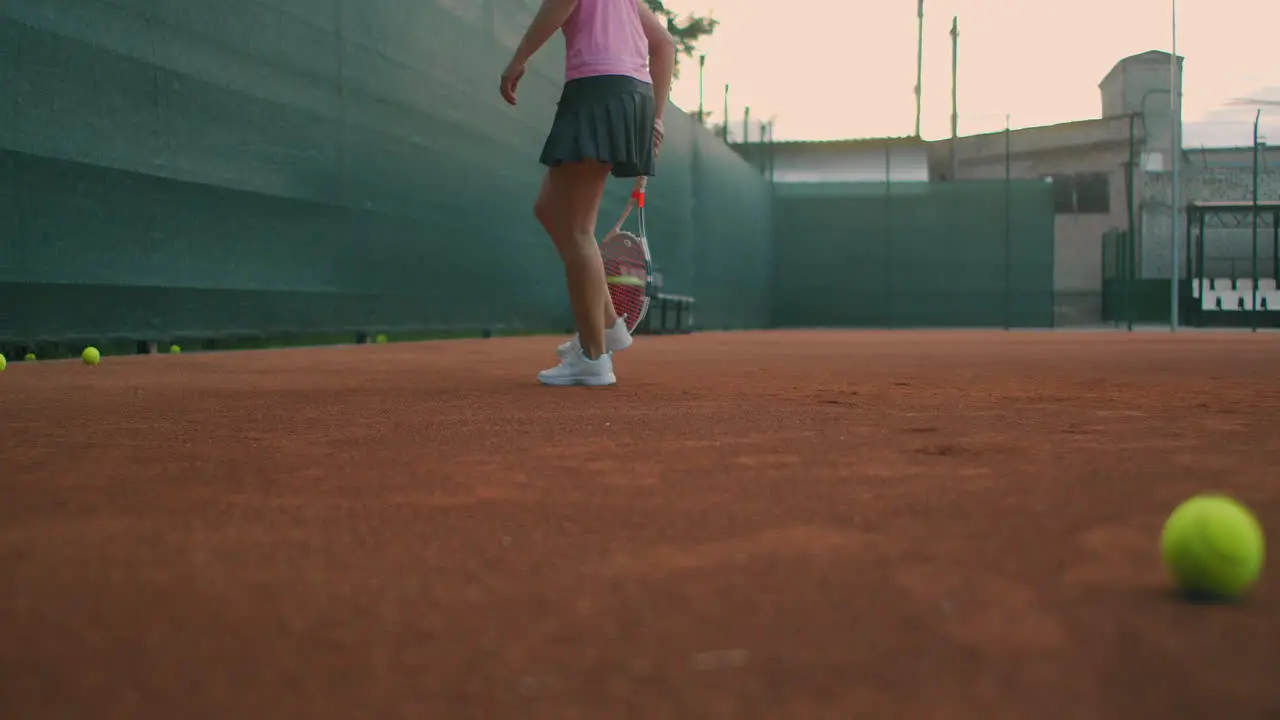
(760, 525)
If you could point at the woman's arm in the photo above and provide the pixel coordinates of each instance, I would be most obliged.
(662, 56)
(551, 16)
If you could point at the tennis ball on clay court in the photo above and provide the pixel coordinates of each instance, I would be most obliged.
(30, 357)
(380, 339)
(3, 363)
(1213, 547)
(91, 356)
(174, 349)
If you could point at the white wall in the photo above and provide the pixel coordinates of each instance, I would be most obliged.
(854, 163)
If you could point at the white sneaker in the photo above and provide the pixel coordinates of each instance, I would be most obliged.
(615, 338)
(577, 369)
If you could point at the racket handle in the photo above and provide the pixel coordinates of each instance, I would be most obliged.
(637, 201)
(638, 194)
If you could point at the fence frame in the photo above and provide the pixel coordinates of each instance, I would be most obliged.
(1226, 216)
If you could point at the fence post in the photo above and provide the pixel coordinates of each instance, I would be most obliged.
(1253, 303)
(1008, 174)
(1200, 253)
(1130, 274)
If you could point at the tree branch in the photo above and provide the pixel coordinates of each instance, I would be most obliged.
(686, 32)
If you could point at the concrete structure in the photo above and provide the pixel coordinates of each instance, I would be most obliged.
(1139, 85)
(1089, 163)
(863, 160)
(1208, 175)
(1086, 162)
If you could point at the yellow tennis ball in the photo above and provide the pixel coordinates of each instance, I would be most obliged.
(31, 357)
(380, 339)
(174, 349)
(1213, 547)
(3, 363)
(91, 356)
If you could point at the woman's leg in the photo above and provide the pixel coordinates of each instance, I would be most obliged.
(567, 207)
(610, 314)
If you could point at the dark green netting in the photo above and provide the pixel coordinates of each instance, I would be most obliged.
(288, 166)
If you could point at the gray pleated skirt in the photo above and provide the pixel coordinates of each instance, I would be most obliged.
(608, 118)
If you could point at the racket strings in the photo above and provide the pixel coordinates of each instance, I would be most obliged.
(626, 261)
(627, 271)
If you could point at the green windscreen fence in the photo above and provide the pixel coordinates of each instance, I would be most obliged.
(1127, 297)
(1118, 276)
(299, 166)
(957, 254)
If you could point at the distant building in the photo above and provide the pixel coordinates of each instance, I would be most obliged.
(1209, 175)
(1088, 162)
(1139, 85)
(869, 160)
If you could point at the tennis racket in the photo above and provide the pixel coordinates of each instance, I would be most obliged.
(628, 267)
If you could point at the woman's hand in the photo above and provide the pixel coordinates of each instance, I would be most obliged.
(511, 80)
(551, 17)
(657, 136)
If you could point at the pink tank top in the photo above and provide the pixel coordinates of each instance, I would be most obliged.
(605, 37)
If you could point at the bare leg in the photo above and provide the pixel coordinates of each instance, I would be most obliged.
(567, 207)
(610, 314)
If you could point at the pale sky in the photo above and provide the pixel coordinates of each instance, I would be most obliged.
(831, 69)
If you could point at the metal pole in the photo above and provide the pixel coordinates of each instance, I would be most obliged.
(1200, 273)
(1008, 175)
(1129, 274)
(725, 125)
(746, 125)
(955, 111)
(764, 149)
(888, 219)
(1189, 241)
(1140, 234)
(702, 70)
(919, 61)
(1175, 115)
(761, 155)
(772, 154)
(1253, 306)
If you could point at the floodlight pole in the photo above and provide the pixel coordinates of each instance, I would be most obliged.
(955, 107)
(702, 70)
(919, 61)
(725, 128)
